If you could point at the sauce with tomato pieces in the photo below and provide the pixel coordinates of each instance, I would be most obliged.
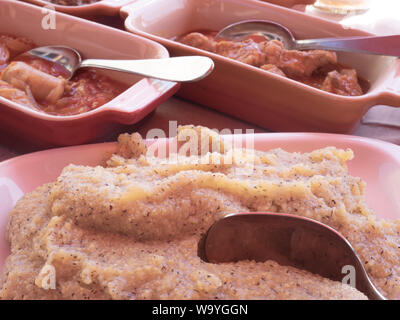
(86, 91)
(42, 85)
(316, 68)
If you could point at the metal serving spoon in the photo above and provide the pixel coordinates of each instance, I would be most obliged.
(289, 240)
(179, 69)
(380, 45)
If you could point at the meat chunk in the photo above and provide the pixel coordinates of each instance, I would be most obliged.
(273, 51)
(344, 83)
(273, 69)
(303, 63)
(198, 40)
(42, 85)
(248, 51)
(15, 46)
(9, 92)
(4, 54)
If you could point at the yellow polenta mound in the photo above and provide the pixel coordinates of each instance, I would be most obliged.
(130, 229)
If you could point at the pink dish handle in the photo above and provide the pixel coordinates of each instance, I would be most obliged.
(139, 100)
(390, 94)
(388, 98)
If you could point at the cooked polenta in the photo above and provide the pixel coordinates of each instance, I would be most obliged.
(130, 229)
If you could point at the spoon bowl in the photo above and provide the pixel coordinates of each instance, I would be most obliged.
(289, 240)
(66, 57)
(179, 69)
(378, 45)
(268, 29)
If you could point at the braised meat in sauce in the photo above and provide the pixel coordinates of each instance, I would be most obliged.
(317, 68)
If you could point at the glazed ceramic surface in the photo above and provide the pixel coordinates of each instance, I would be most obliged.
(102, 7)
(92, 40)
(254, 95)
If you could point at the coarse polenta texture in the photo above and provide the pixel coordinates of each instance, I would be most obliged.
(130, 229)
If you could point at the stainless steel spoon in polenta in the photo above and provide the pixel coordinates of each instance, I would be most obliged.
(289, 240)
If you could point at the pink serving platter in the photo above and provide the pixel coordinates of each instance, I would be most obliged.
(92, 40)
(376, 162)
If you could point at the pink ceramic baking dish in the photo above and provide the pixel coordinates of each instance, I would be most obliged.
(94, 41)
(101, 7)
(251, 94)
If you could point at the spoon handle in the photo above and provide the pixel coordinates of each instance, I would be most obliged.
(180, 69)
(380, 45)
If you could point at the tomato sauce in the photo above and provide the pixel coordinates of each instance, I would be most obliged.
(85, 91)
